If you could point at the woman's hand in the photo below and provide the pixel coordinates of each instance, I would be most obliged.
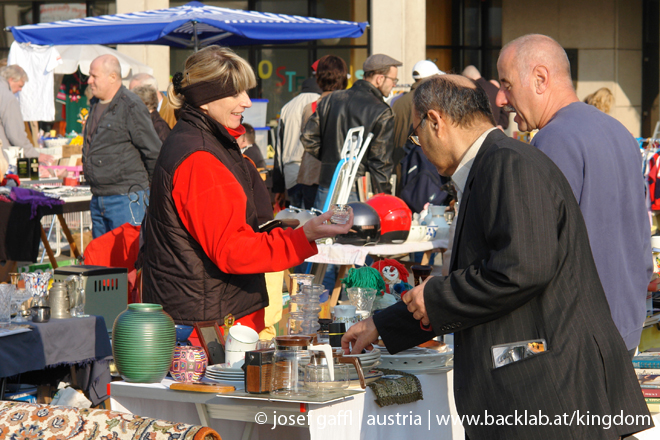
(316, 227)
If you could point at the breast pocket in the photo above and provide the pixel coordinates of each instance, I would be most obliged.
(107, 169)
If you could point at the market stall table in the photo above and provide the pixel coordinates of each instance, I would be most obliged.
(73, 341)
(347, 256)
(355, 417)
(20, 236)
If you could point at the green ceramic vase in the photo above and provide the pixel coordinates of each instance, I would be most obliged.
(143, 342)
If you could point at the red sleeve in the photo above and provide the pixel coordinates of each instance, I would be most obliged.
(211, 205)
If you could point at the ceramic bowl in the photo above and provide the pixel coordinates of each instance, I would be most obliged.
(417, 233)
(430, 233)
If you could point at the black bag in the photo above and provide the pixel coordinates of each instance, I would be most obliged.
(420, 181)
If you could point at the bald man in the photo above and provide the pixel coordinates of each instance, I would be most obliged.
(532, 331)
(164, 109)
(500, 115)
(119, 151)
(600, 160)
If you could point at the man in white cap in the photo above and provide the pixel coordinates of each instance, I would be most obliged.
(403, 107)
(361, 105)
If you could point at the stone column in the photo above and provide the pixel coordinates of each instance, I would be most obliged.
(398, 29)
(156, 57)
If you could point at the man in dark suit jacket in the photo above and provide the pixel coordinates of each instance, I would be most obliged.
(521, 270)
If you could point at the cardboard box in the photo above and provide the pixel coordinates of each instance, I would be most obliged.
(70, 150)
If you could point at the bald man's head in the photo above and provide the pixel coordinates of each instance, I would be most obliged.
(471, 72)
(535, 78)
(105, 77)
(143, 79)
(532, 50)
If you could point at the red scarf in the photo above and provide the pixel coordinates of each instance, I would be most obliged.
(237, 132)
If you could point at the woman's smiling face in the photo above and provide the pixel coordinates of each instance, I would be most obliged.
(228, 111)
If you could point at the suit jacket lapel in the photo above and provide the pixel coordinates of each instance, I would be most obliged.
(494, 136)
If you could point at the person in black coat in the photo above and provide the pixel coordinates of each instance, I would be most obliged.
(521, 274)
(148, 95)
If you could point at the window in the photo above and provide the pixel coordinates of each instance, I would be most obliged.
(464, 32)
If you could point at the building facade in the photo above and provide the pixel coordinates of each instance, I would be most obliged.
(611, 43)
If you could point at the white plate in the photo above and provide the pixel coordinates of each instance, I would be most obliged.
(228, 376)
(374, 353)
(225, 380)
(416, 360)
(217, 368)
(226, 373)
(225, 377)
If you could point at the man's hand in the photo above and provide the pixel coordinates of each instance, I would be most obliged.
(360, 335)
(414, 299)
(316, 227)
(46, 159)
(279, 199)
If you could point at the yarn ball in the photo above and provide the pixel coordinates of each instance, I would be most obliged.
(366, 277)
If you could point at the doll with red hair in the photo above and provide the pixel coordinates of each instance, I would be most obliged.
(395, 276)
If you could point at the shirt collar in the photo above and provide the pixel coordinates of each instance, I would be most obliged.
(463, 170)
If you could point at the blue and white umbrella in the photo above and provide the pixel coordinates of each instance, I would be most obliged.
(192, 25)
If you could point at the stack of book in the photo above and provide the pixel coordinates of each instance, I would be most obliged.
(647, 368)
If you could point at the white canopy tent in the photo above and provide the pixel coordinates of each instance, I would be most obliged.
(82, 55)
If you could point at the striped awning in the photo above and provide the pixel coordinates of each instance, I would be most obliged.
(190, 25)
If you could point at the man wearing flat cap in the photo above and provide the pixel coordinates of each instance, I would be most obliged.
(361, 105)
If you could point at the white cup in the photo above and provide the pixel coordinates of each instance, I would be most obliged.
(655, 241)
(345, 311)
(231, 357)
(241, 338)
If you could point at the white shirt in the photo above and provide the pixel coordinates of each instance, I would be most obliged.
(460, 180)
(38, 95)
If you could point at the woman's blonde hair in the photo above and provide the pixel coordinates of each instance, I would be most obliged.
(602, 99)
(214, 64)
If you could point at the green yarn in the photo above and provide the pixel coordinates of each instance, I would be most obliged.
(366, 277)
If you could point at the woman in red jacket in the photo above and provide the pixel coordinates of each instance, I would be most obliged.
(204, 257)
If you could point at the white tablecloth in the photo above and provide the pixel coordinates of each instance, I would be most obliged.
(346, 254)
(352, 419)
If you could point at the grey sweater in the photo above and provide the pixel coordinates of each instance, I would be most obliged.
(602, 162)
(12, 128)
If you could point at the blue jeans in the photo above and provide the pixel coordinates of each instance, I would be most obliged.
(110, 212)
(322, 194)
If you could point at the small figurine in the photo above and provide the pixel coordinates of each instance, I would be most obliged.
(395, 276)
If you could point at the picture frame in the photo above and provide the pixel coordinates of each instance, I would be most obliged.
(212, 341)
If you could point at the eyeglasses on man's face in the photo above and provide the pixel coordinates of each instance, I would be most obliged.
(394, 80)
(413, 137)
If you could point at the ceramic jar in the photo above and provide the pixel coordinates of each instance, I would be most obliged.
(188, 363)
(143, 342)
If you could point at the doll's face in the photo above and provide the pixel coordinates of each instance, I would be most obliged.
(390, 274)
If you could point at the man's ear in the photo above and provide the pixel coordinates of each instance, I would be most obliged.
(540, 78)
(436, 120)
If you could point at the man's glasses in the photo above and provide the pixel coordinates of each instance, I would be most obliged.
(394, 80)
(413, 137)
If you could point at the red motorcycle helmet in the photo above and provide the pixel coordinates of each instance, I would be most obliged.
(395, 218)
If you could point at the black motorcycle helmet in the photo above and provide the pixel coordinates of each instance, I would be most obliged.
(366, 226)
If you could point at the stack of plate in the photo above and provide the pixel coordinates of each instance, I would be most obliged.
(418, 360)
(223, 373)
(368, 360)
